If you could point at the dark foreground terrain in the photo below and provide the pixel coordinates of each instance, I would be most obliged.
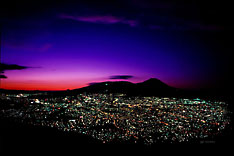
(20, 138)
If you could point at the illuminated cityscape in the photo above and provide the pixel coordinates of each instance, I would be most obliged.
(79, 74)
(118, 118)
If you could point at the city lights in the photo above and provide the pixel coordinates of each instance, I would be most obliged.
(112, 118)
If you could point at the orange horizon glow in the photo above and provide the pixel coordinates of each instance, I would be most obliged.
(31, 87)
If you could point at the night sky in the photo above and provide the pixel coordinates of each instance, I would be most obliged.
(67, 45)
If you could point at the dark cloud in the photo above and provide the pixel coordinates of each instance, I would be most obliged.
(4, 67)
(124, 77)
(3, 77)
(114, 77)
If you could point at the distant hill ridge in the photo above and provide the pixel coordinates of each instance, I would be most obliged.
(152, 86)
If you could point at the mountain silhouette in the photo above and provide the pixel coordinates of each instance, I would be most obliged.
(108, 87)
(149, 87)
(154, 86)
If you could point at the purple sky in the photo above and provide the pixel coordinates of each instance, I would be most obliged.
(67, 49)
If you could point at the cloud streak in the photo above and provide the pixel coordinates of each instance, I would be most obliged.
(4, 67)
(124, 77)
(3, 77)
(155, 22)
(102, 19)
